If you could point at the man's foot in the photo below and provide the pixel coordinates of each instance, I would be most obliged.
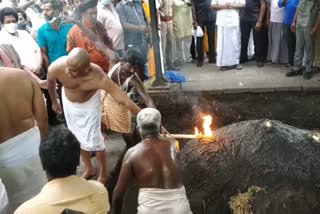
(260, 64)
(212, 61)
(173, 68)
(103, 180)
(288, 65)
(55, 121)
(223, 68)
(294, 73)
(193, 61)
(89, 174)
(200, 64)
(238, 67)
(307, 75)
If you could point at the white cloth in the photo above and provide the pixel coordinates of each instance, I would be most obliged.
(198, 32)
(24, 44)
(229, 17)
(276, 13)
(229, 46)
(3, 198)
(163, 201)
(84, 121)
(20, 167)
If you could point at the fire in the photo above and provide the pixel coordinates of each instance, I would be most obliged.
(207, 132)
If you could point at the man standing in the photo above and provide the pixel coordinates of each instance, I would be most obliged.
(205, 17)
(23, 125)
(306, 24)
(109, 17)
(52, 39)
(77, 38)
(253, 17)
(154, 163)
(82, 81)
(229, 44)
(60, 156)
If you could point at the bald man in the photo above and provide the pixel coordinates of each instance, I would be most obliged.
(82, 82)
(23, 124)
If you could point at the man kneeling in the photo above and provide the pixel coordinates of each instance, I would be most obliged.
(155, 165)
(60, 156)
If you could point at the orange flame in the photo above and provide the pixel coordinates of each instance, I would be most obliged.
(207, 132)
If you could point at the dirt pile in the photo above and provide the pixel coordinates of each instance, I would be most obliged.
(281, 160)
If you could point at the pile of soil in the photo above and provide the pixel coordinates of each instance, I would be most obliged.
(281, 160)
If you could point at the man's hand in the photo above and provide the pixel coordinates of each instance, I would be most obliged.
(195, 25)
(293, 27)
(43, 84)
(164, 131)
(56, 107)
(258, 26)
(146, 29)
(313, 31)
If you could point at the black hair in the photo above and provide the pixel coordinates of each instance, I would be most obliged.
(60, 154)
(19, 10)
(8, 11)
(84, 6)
(134, 57)
(56, 4)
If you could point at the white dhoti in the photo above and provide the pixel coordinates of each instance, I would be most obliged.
(84, 121)
(3, 199)
(20, 167)
(229, 46)
(163, 201)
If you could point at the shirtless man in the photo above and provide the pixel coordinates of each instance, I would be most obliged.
(23, 125)
(155, 166)
(82, 81)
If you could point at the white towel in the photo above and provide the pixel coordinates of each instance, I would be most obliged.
(3, 198)
(84, 121)
(163, 201)
(20, 167)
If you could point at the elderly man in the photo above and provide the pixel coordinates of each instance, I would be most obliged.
(23, 124)
(155, 166)
(78, 38)
(229, 41)
(60, 156)
(82, 81)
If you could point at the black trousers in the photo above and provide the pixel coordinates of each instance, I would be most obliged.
(51, 114)
(291, 41)
(210, 26)
(260, 40)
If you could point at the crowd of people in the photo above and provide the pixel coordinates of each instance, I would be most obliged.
(83, 63)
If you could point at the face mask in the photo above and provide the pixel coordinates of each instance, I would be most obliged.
(105, 2)
(11, 28)
(55, 16)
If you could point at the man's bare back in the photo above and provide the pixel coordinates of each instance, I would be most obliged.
(155, 164)
(21, 104)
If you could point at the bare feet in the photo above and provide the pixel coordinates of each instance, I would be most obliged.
(102, 180)
(88, 174)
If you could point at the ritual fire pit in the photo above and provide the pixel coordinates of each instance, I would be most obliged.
(256, 166)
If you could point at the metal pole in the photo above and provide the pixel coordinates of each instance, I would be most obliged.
(159, 81)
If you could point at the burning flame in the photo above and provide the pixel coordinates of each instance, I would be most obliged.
(207, 132)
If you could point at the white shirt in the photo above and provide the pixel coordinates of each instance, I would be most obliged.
(229, 17)
(24, 44)
(276, 13)
(111, 22)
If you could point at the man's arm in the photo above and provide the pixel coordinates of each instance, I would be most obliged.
(39, 111)
(315, 28)
(194, 17)
(52, 82)
(126, 174)
(263, 7)
(39, 61)
(110, 87)
(137, 84)
(294, 22)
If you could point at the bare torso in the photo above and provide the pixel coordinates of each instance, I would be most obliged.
(155, 164)
(16, 92)
(78, 89)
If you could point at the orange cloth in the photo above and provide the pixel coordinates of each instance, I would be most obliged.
(77, 38)
(151, 63)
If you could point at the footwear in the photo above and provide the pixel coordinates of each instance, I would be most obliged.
(212, 61)
(199, 64)
(260, 64)
(307, 75)
(238, 67)
(223, 68)
(172, 68)
(293, 73)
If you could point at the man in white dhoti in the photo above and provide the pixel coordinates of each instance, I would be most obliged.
(229, 39)
(82, 81)
(23, 124)
(154, 164)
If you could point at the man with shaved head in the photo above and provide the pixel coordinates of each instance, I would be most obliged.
(82, 82)
(23, 125)
(154, 164)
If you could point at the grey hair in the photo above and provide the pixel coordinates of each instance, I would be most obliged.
(149, 121)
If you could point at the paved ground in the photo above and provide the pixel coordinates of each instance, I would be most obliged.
(270, 78)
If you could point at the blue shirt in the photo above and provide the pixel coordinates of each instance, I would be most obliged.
(54, 41)
(203, 11)
(290, 10)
